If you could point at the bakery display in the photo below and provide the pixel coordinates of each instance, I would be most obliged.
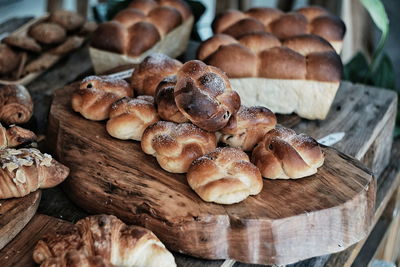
(144, 28)
(102, 240)
(224, 176)
(16, 104)
(15, 136)
(283, 154)
(96, 94)
(247, 127)
(130, 117)
(26, 170)
(175, 146)
(204, 95)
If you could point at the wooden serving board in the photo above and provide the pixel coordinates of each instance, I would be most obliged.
(287, 222)
(15, 213)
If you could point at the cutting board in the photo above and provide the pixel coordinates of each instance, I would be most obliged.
(15, 213)
(287, 222)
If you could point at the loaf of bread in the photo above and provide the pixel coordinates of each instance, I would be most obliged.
(139, 27)
(48, 33)
(9, 59)
(102, 240)
(307, 20)
(129, 117)
(204, 95)
(69, 20)
(175, 146)
(96, 94)
(16, 104)
(15, 136)
(23, 42)
(283, 154)
(224, 176)
(247, 127)
(151, 71)
(165, 101)
(25, 170)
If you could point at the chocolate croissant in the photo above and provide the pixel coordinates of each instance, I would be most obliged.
(25, 170)
(16, 104)
(15, 136)
(102, 240)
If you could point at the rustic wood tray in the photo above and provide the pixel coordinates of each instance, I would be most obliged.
(287, 222)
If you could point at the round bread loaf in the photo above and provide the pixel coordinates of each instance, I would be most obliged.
(23, 42)
(69, 20)
(129, 117)
(283, 154)
(224, 176)
(9, 59)
(204, 95)
(151, 71)
(247, 127)
(175, 146)
(48, 33)
(96, 94)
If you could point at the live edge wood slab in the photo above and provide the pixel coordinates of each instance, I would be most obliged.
(287, 222)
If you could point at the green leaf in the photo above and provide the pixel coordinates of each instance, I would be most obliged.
(356, 70)
(383, 75)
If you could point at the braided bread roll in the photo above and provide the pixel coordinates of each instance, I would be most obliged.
(175, 146)
(130, 117)
(16, 104)
(102, 240)
(15, 136)
(25, 170)
(224, 176)
(283, 154)
(247, 127)
(96, 94)
(204, 95)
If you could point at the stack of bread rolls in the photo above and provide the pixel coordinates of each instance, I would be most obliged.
(144, 27)
(183, 112)
(278, 60)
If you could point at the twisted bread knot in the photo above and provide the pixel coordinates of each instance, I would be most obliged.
(130, 117)
(224, 176)
(139, 27)
(102, 240)
(151, 71)
(247, 127)
(283, 154)
(304, 57)
(307, 20)
(204, 95)
(175, 146)
(165, 101)
(25, 170)
(16, 104)
(15, 136)
(96, 94)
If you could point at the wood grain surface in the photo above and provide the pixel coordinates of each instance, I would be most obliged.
(15, 213)
(324, 213)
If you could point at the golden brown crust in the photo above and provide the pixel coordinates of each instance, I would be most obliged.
(9, 59)
(69, 20)
(264, 14)
(23, 42)
(16, 104)
(324, 66)
(96, 95)
(129, 117)
(111, 36)
(48, 33)
(224, 176)
(259, 42)
(137, 42)
(307, 43)
(175, 146)
(328, 27)
(15, 136)
(212, 44)
(283, 154)
(244, 26)
(165, 19)
(226, 19)
(288, 25)
(143, 5)
(130, 16)
(151, 71)
(181, 6)
(102, 240)
(247, 127)
(204, 95)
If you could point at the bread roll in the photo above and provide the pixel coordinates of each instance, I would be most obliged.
(111, 36)
(204, 95)
(16, 104)
(283, 154)
(142, 36)
(211, 45)
(102, 240)
(247, 127)
(48, 33)
(129, 117)
(151, 71)
(96, 94)
(15, 136)
(175, 146)
(25, 170)
(24, 42)
(69, 20)
(165, 19)
(224, 176)
(9, 59)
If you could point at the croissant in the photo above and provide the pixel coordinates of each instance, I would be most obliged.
(26, 170)
(15, 136)
(16, 104)
(102, 240)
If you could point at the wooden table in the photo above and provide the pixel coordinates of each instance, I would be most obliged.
(55, 204)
